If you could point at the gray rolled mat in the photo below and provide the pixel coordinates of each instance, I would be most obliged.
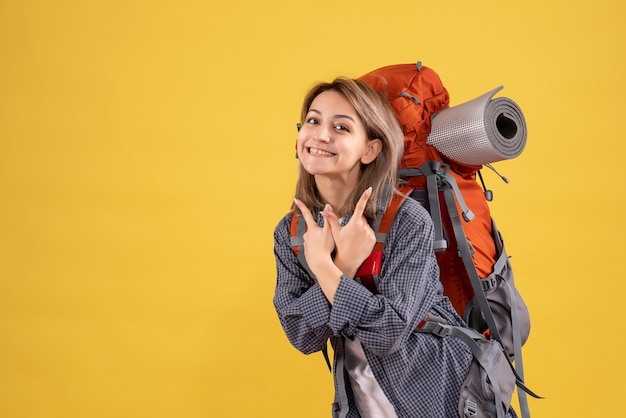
(480, 131)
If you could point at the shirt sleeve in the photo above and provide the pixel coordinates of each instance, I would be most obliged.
(409, 287)
(302, 308)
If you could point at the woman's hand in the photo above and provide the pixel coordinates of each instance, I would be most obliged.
(318, 248)
(354, 241)
(318, 241)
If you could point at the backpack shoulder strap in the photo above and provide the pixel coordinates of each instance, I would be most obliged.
(384, 220)
(297, 230)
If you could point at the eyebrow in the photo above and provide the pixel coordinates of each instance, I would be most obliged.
(335, 117)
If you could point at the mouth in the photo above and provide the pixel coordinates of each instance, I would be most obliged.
(320, 152)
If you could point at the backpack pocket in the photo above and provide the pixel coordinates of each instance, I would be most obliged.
(510, 313)
(488, 387)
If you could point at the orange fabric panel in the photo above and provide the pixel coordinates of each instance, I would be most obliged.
(416, 93)
(403, 84)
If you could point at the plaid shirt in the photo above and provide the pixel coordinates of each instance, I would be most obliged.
(419, 373)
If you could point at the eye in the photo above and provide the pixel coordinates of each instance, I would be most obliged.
(312, 121)
(343, 128)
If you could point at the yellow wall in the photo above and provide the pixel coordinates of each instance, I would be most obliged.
(146, 153)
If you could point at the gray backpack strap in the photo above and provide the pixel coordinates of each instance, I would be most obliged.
(466, 256)
(380, 236)
(475, 401)
(341, 405)
(430, 171)
(477, 286)
(468, 337)
(499, 271)
(298, 241)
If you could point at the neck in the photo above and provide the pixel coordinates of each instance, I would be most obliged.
(335, 192)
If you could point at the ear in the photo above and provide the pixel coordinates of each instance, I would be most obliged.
(374, 147)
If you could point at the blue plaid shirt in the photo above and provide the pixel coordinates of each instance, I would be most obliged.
(420, 374)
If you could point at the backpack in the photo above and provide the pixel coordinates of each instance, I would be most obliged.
(474, 268)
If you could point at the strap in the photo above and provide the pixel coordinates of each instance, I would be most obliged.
(498, 272)
(432, 186)
(500, 264)
(517, 348)
(449, 179)
(464, 253)
(442, 171)
(341, 397)
(380, 235)
(469, 337)
(429, 170)
(382, 227)
(325, 353)
(298, 228)
(437, 174)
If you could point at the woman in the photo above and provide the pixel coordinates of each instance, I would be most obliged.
(349, 147)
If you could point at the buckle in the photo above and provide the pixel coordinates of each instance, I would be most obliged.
(489, 283)
(471, 408)
(435, 328)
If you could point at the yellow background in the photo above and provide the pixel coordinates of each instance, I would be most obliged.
(146, 154)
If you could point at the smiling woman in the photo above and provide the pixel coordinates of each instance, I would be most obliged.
(349, 146)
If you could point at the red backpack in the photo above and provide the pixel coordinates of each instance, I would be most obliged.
(474, 267)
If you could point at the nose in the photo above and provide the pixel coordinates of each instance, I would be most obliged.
(323, 134)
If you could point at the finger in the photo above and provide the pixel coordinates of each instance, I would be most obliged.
(331, 218)
(306, 213)
(327, 227)
(359, 209)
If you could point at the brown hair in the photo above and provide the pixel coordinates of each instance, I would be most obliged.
(380, 123)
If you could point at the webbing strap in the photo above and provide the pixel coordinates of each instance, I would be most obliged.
(429, 170)
(298, 228)
(465, 335)
(498, 271)
(517, 348)
(440, 244)
(341, 397)
(442, 171)
(437, 174)
(464, 253)
(381, 235)
(469, 337)
(390, 213)
(325, 354)
(500, 264)
(466, 257)
(468, 215)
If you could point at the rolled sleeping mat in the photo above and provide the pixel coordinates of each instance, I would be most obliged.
(481, 131)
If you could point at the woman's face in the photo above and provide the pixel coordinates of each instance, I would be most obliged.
(332, 141)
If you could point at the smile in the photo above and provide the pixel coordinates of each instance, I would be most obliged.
(321, 152)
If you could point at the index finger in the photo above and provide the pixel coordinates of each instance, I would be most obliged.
(306, 213)
(359, 209)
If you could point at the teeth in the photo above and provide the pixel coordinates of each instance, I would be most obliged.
(317, 151)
